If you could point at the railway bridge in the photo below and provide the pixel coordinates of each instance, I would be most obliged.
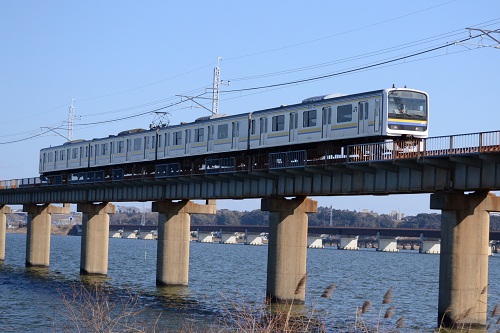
(458, 171)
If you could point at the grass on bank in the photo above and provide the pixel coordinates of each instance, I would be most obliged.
(95, 309)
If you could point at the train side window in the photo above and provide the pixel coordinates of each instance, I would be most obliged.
(344, 113)
(137, 144)
(278, 123)
(167, 139)
(309, 118)
(177, 138)
(252, 127)
(104, 149)
(74, 153)
(222, 131)
(50, 158)
(62, 155)
(160, 140)
(86, 151)
(199, 135)
(121, 145)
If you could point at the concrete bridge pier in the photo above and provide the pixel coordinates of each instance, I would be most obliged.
(38, 234)
(387, 244)
(427, 245)
(348, 242)
(3, 226)
(287, 250)
(95, 237)
(463, 270)
(172, 263)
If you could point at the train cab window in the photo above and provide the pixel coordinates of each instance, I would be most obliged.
(222, 131)
(344, 113)
(177, 138)
(137, 144)
(121, 145)
(309, 118)
(278, 123)
(199, 135)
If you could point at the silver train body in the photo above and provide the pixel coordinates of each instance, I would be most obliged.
(319, 121)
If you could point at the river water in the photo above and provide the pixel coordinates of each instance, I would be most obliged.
(30, 299)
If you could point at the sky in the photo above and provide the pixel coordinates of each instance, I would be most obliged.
(119, 61)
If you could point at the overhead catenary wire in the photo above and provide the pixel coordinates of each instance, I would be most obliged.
(293, 82)
(353, 70)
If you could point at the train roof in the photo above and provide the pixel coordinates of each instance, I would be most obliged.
(314, 101)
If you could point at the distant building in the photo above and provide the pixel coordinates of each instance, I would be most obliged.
(397, 215)
(365, 212)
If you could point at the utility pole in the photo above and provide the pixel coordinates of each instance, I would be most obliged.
(215, 88)
(215, 92)
(71, 118)
(331, 216)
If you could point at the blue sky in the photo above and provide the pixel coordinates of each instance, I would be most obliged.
(122, 58)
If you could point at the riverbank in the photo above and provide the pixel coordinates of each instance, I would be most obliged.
(60, 230)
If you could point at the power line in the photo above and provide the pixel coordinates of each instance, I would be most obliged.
(353, 70)
(341, 33)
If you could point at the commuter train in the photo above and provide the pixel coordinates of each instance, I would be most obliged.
(317, 122)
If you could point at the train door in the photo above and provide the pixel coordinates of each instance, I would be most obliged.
(187, 141)
(293, 125)
(376, 117)
(129, 150)
(167, 144)
(362, 117)
(326, 122)
(263, 130)
(210, 138)
(235, 134)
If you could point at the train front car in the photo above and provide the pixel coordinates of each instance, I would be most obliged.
(407, 113)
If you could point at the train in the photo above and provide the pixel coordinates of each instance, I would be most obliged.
(316, 122)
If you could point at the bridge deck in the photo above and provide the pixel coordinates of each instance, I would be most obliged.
(468, 162)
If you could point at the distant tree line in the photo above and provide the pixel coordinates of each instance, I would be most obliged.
(132, 215)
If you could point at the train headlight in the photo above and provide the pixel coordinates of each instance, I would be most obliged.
(394, 127)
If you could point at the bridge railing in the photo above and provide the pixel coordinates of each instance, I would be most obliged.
(441, 146)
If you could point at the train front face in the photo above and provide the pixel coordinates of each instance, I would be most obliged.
(407, 113)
